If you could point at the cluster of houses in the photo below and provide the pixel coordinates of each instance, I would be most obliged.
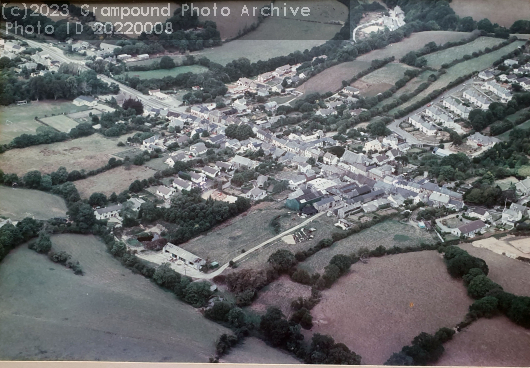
(268, 82)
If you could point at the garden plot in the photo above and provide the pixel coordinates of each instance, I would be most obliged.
(111, 314)
(61, 123)
(379, 307)
(20, 203)
(388, 234)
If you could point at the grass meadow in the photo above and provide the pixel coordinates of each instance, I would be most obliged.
(20, 203)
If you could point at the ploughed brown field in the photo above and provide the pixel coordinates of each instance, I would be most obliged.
(381, 306)
(495, 342)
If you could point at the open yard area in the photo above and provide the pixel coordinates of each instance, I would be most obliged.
(512, 10)
(380, 306)
(415, 42)
(381, 80)
(495, 342)
(388, 234)
(18, 120)
(255, 351)
(86, 153)
(331, 78)
(115, 180)
(20, 203)
(61, 123)
(437, 59)
(161, 73)
(49, 313)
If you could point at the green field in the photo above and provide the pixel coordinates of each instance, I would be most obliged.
(415, 42)
(437, 59)
(506, 135)
(161, 73)
(381, 79)
(20, 203)
(408, 88)
(110, 314)
(60, 122)
(18, 120)
(461, 69)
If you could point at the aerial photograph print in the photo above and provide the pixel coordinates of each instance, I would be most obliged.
(337, 182)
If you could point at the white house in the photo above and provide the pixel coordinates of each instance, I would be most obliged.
(486, 75)
(181, 184)
(499, 90)
(198, 149)
(422, 125)
(480, 213)
(165, 192)
(108, 212)
(471, 229)
(479, 140)
(373, 145)
(523, 187)
(457, 107)
(197, 178)
(256, 194)
(477, 98)
(330, 159)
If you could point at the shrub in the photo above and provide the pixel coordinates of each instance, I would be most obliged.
(60, 257)
(303, 317)
(485, 307)
(282, 260)
(219, 311)
(480, 286)
(75, 266)
(444, 334)
(246, 297)
(42, 245)
(302, 277)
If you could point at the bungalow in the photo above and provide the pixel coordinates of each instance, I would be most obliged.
(326, 112)
(486, 75)
(135, 203)
(107, 212)
(469, 230)
(525, 83)
(181, 184)
(479, 140)
(86, 101)
(256, 194)
(183, 255)
(271, 106)
(171, 160)
(165, 192)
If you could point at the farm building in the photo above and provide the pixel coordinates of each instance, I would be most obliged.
(301, 198)
(107, 212)
(183, 255)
